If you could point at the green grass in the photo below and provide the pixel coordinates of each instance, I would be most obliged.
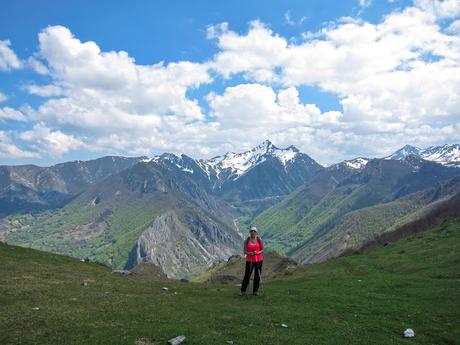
(46, 231)
(361, 299)
(361, 226)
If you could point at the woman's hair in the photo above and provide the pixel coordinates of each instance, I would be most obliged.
(249, 237)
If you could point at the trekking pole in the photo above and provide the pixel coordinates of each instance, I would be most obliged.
(260, 280)
(260, 274)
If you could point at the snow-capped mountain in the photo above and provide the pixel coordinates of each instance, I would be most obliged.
(233, 165)
(262, 173)
(448, 155)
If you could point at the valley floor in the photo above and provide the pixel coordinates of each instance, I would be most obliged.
(369, 298)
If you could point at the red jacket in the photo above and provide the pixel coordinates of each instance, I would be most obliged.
(250, 247)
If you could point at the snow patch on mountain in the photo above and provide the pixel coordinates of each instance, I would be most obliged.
(285, 155)
(357, 163)
(444, 154)
(448, 155)
(184, 168)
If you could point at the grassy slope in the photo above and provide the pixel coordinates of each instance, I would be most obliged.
(278, 220)
(361, 299)
(284, 230)
(130, 218)
(358, 227)
(355, 228)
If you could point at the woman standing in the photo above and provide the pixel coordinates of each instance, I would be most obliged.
(253, 248)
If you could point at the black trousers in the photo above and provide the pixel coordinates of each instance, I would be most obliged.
(250, 266)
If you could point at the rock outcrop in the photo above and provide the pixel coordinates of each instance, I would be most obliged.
(184, 245)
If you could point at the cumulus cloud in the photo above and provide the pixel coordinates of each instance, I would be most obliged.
(8, 113)
(8, 59)
(441, 9)
(37, 66)
(112, 89)
(53, 143)
(269, 110)
(44, 90)
(9, 150)
(256, 54)
(3, 97)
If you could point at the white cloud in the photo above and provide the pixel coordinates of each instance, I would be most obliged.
(3, 97)
(8, 150)
(365, 3)
(441, 9)
(112, 89)
(255, 54)
(8, 59)
(214, 31)
(113, 97)
(288, 19)
(258, 107)
(37, 66)
(348, 52)
(44, 90)
(8, 113)
(49, 142)
(454, 27)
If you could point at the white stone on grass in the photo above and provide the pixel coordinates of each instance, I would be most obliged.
(409, 333)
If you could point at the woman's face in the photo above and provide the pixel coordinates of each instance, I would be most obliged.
(253, 234)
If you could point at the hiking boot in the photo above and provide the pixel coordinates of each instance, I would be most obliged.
(242, 293)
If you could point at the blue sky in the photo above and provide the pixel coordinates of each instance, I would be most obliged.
(310, 73)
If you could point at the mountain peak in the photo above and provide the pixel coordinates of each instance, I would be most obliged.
(410, 147)
(266, 146)
(293, 148)
(447, 154)
(403, 152)
(267, 143)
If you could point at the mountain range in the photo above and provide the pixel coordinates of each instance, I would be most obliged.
(174, 211)
(184, 214)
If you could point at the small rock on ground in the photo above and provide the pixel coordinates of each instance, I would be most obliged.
(409, 333)
(177, 340)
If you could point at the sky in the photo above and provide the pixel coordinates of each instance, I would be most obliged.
(337, 79)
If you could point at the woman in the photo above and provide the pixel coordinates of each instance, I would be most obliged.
(253, 248)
